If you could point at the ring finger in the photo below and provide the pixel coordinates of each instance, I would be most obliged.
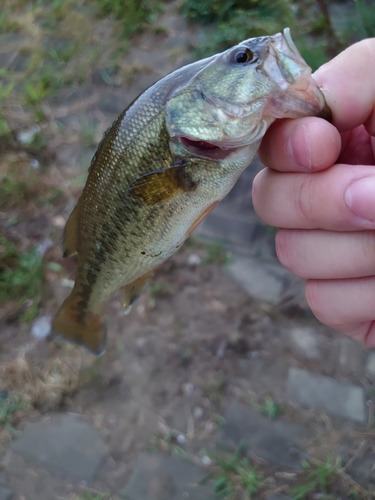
(327, 254)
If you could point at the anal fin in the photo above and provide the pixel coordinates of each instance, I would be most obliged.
(134, 290)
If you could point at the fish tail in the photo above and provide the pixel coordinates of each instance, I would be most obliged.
(84, 329)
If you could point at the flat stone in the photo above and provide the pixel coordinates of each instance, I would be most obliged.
(306, 341)
(276, 441)
(260, 280)
(5, 494)
(163, 477)
(351, 356)
(320, 392)
(64, 442)
(370, 365)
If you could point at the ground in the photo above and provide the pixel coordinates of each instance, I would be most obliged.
(218, 384)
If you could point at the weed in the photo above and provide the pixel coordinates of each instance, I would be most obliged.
(235, 473)
(133, 14)
(20, 277)
(237, 20)
(11, 191)
(93, 496)
(213, 389)
(319, 478)
(155, 290)
(216, 254)
(10, 405)
(310, 22)
(364, 21)
(269, 408)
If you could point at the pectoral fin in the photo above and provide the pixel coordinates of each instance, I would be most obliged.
(70, 236)
(160, 185)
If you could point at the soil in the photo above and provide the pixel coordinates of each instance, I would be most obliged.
(194, 342)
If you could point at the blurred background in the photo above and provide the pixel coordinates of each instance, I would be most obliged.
(220, 383)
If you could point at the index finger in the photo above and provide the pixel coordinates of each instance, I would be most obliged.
(348, 83)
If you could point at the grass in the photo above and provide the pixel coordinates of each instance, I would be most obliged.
(134, 15)
(320, 479)
(216, 254)
(10, 406)
(11, 191)
(235, 477)
(229, 21)
(93, 496)
(21, 277)
(157, 290)
(269, 408)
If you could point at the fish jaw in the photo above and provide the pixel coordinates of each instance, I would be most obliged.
(298, 94)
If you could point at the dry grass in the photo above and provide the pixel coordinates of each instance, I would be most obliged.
(44, 384)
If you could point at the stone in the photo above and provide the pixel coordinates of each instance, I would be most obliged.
(351, 356)
(276, 441)
(370, 365)
(321, 392)
(5, 494)
(64, 442)
(162, 477)
(305, 340)
(41, 327)
(262, 282)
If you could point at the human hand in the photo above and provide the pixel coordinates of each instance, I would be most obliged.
(319, 188)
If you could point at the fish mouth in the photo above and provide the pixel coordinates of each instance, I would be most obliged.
(287, 68)
(204, 149)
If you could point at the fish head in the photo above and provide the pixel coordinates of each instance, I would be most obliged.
(234, 96)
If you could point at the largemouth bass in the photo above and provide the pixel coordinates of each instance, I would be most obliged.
(166, 162)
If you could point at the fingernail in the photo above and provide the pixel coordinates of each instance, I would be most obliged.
(299, 146)
(360, 198)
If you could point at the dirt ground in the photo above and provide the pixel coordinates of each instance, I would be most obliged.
(193, 343)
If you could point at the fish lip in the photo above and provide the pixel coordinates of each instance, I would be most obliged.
(292, 73)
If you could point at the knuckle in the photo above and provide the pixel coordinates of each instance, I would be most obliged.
(368, 249)
(304, 202)
(286, 250)
(313, 294)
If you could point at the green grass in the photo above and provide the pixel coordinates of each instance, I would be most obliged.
(235, 474)
(216, 254)
(319, 479)
(134, 15)
(93, 496)
(229, 21)
(269, 408)
(157, 289)
(10, 405)
(21, 277)
(11, 191)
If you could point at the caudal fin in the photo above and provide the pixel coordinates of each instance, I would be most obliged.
(88, 331)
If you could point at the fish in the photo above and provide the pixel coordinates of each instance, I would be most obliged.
(166, 162)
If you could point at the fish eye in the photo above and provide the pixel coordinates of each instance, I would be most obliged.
(243, 56)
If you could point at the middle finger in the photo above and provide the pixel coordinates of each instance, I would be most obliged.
(323, 200)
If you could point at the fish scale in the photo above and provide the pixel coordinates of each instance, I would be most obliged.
(166, 162)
